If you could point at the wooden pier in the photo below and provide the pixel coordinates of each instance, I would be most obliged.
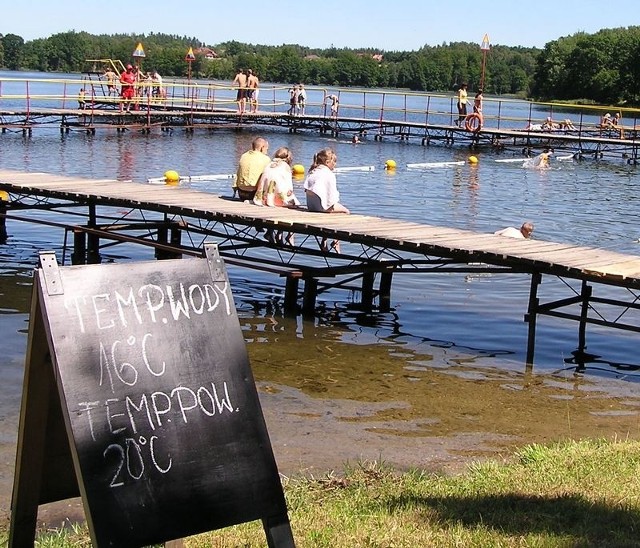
(96, 215)
(426, 119)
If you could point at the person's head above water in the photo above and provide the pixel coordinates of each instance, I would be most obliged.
(526, 229)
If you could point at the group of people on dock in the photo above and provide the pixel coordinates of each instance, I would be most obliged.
(297, 100)
(248, 84)
(134, 84)
(268, 181)
(474, 121)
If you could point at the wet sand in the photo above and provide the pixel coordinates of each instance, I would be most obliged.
(340, 404)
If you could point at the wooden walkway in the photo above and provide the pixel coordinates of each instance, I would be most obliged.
(370, 245)
(585, 141)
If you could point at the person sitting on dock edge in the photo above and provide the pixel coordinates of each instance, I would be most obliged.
(321, 189)
(250, 168)
(275, 189)
(523, 233)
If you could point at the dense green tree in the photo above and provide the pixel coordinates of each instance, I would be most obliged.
(13, 46)
(286, 66)
(603, 67)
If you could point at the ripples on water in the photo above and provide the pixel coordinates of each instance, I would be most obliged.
(472, 317)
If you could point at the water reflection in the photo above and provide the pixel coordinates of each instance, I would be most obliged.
(585, 360)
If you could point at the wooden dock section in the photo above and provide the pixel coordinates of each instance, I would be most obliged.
(176, 221)
(586, 141)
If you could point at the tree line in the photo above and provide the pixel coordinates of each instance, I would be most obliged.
(600, 68)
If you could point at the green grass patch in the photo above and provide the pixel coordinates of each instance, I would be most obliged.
(568, 494)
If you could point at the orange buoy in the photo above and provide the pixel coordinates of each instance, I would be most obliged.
(473, 122)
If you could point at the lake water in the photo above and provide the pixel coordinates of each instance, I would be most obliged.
(469, 325)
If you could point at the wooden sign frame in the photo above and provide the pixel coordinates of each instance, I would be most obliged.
(139, 397)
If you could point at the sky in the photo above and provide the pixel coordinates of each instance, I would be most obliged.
(401, 25)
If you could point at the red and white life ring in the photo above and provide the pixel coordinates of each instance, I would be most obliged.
(473, 122)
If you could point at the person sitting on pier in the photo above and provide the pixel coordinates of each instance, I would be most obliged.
(523, 233)
(250, 167)
(275, 189)
(533, 127)
(275, 186)
(606, 121)
(321, 189)
(550, 124)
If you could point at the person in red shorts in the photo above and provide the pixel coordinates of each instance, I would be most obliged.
(128, 81)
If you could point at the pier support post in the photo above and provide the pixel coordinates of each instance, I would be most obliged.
(176, 240)
(291, 295)
(531, 316)
(309, 296)
(79, 255)
(367, 290)
(3, 221)
(93, 240)
(385, 291)
(162, 237)
(585, 295)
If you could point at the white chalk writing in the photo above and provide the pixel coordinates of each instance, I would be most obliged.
(149, 303)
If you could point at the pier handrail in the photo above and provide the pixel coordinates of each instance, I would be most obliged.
(378, 105)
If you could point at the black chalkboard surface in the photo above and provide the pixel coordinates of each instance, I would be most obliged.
(165, 429)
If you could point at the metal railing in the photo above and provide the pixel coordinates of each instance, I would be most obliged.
(25, 95)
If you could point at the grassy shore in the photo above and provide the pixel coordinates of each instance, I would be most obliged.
(569, 494)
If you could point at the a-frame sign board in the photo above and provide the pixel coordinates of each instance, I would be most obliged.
(139, 396)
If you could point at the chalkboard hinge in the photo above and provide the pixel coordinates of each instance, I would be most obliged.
(215, 262)
(51, 272)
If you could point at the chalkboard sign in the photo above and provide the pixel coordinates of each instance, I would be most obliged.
(166, 437)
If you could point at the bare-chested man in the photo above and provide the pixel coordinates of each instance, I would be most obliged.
(252, 95)
(241, 97)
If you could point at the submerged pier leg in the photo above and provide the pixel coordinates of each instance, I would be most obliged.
(79, 255)
(585, 295)
(385, 291)
(162, 237)
(3, 219)
(93, 240)
(309, 296)
(531, 316)
(291, 295)
(367, 290)
(176, 240)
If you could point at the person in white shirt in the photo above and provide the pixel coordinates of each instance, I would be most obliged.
(523, 233)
